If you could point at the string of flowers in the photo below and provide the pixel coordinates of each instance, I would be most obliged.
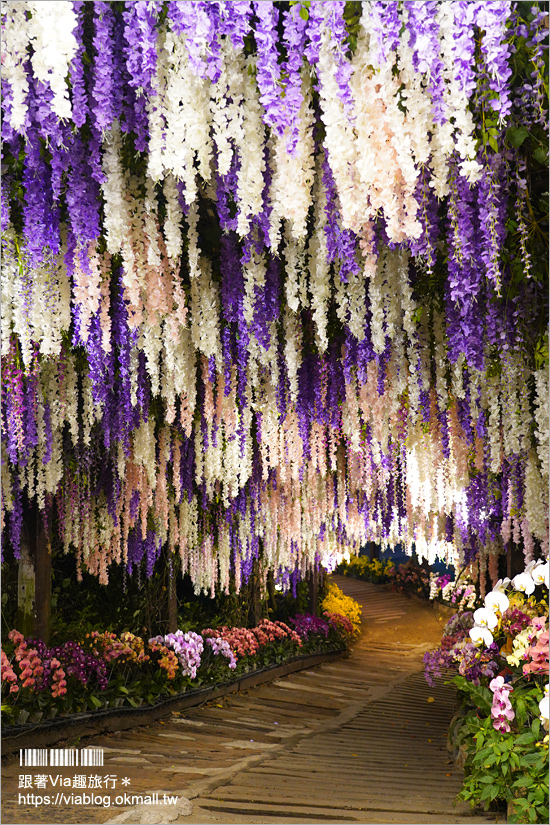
(217, 332)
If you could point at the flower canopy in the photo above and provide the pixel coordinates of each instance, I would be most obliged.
(273, 280)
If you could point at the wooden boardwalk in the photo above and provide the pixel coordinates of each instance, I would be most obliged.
(351, 741)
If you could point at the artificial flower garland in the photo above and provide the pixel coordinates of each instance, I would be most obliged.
(215, 338)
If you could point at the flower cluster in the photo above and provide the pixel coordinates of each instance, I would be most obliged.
(503, 645)
(42, 668)
(8, 674)
(501, 710)
(188, 648)
(307, 625)
(243, 642)
(165, 392)
(108, 646)
(248, 642)
(371, 570)
(341, 610)
(342, 624)
(487, 618)
(221, 647)
(167, 659)
(107, 669)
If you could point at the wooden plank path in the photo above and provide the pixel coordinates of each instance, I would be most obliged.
(351, 741)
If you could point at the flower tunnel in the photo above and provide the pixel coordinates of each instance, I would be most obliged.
(274, 286)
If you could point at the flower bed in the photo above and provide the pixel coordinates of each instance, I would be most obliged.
(499, 654)
(413, 579)
(110, 671)
(342, 611)
(368, 570)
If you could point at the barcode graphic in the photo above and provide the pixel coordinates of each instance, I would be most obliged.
(92, 757)
(61, 757)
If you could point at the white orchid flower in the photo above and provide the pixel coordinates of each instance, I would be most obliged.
(544, 708)
(484, 617)
(539, 573)
(496, 600)
(501, 585)
(524, 583)
(530, 566)
(481, 635)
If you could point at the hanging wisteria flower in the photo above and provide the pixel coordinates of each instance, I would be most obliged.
(51, 28)
(301, 392)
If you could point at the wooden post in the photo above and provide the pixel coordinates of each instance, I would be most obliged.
(256, 592)
(313, 591)
(271, 591)
(43, 577)
(172, 595)
(26, 582)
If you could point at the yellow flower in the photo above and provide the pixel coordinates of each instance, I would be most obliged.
(337, 602)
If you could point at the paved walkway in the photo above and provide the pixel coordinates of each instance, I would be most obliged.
(358, 740)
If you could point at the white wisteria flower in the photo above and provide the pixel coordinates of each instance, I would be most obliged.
(481, 635)
(496, 600)
(485, 618)
(51, 28)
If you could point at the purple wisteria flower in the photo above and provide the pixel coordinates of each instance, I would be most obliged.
(385, 24)
(268, 68)
(423, 31)
(492, 17)
(333, 11)
(464, 45)
(140, 37)
(341, 243)
(78, 71)
(106, 89)
(294, 38)
(41, 217)
(465, 288)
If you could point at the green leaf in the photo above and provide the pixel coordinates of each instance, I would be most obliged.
(492, 141)
(521, 803)
(516, 135)
(94, 701)
(524, 739)
(520, 713)
(541, 155)
(489, 793)
(304, 14)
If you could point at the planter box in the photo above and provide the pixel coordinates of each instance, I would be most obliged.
(68, 728)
